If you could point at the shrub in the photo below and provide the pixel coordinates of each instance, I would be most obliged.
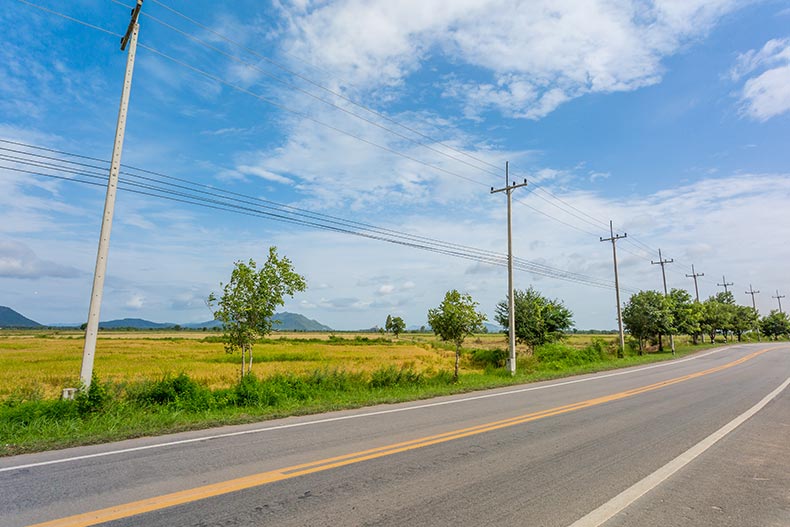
(493, 357)
(253, 392)
(181, 391)
(94, 399)
(392, 376)
(557, 356)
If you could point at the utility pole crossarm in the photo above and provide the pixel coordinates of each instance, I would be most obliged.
(663, 262)
(694, 274)
(779, 298)
(613, 238)
(132, 23)
(724, 283)
(752, 292)
(508, 189)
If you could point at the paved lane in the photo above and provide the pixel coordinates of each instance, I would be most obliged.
(550, 469)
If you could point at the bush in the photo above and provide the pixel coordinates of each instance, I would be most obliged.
(181, 391)
(94, 399)
(495, 357)
(392, 376)
(557, 356)
(253, 392)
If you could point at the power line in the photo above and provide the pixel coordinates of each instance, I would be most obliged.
(319, 85)
(334, 128)
(213, 198)
(325, 124)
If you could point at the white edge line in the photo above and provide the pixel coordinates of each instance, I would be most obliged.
(355, 416)
(612, 507)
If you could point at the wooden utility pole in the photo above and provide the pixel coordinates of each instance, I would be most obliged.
(613, 238)
(92, 329)
(695, 275)
(724, 283)
(511, 331)
(779, 298)
(662, 263)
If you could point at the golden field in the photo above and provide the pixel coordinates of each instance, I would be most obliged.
(48, 361)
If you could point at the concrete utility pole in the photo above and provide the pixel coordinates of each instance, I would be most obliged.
(779, 298)
(511, 332)
(662, 263)
(724, 283)
(753, 292)
(92, 330)
(754, 306)
(613, 238)
(694, 275)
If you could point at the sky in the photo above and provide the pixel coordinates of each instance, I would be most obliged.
(670, 118)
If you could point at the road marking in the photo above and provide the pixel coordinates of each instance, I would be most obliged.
(135, 508)
(617, 504)
(354, 416)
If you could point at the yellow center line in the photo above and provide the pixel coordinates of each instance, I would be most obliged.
(134, 508)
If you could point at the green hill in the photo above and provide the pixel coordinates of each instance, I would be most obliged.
(11, 319)
(288, 322)
(134, 323)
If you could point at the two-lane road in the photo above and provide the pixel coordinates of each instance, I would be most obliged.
(698, 441)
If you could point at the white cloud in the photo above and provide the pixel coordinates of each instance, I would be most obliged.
(136, 301)
(537, 55)
(17, 260)
(767, 94)
(386, 289)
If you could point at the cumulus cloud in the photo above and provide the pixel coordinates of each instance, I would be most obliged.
(766, 91)
(535, 56)
(136, 301)
(17, 260)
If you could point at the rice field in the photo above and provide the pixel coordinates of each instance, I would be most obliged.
(47, 361)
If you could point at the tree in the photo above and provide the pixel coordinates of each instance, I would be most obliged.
(249, 300)
(744, 319)
(388, 324)
(397, 326)
(647, 314)
(686, 314)
(538, 320)
(455, 319)
(717, 315)
(775, 325)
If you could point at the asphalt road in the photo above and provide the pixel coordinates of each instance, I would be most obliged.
(548, 454)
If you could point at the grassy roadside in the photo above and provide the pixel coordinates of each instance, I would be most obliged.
(121, 410)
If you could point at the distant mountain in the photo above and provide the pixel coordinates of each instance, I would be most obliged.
(493, 328)
(289, 322)
(210, 324)
(11, 319)
(134, 323)
(297, 322)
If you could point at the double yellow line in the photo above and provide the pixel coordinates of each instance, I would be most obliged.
(263, 478)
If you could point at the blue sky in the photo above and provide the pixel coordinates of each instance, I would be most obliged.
(670, 118)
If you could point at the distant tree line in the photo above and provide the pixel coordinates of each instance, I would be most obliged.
(649, 316)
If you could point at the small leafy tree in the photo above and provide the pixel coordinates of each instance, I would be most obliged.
(647, 314)
(686, 313)
(397, 326)
(388, 324)
(744, 319)
(538, 320)
(249, 300)
(455, 319)
(718, 314)
(775, 325)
